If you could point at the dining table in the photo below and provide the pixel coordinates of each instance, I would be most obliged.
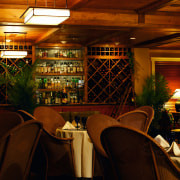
(83, 150)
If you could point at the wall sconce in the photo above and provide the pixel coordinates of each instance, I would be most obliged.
(45, 16)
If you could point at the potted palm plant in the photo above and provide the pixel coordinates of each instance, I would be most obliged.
(21, 85)
(156, 93)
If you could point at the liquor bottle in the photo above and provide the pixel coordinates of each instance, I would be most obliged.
(52, 83)
(60, 94)
(62, 67)
(71, 67)
(58, 83)
(52, 68)
(40, 53)
(58, 68)
(56, 98)
(48, 83)
(77, 67)
(74, 67)
(65, 68)
(68, 68)
(44, 67)
(45, 83)
(64, 96)
(70, 53)
(81, 68)
(48, 68)
(49, 98)
(72, 83)
(55, 83)
(43, 98)
(46, 99)
(55, 67)
(37, 97)
(52, 95)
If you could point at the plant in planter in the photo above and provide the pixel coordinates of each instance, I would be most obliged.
(21, 86)
(155, 93)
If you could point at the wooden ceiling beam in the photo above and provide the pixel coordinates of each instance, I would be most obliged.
(154, 6)
(157, 40)
(102, 19)
(78, 4)
(104, 38)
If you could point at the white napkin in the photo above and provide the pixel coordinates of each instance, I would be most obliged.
(174, 148)
(68, 125)
(161, 141)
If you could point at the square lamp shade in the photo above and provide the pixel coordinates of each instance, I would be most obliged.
(13, 54)
(45, 16)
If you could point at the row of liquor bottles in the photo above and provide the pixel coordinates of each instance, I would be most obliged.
(60, 67)
(58, 53)
(56, 82)
(59, 97)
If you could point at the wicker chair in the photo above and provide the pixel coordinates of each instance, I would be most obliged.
(137, 155)
(137, 119)
(150, 111)
(95, 125)
(58, 151)
(17, 147)
(9, 120)
(26, 116)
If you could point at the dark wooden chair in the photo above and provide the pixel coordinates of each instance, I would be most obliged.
(137, 119)
(135, 155)
(9, 120)
(58, 151)
(150, 111)
(95, 125)
(25, 115)
(17, 147)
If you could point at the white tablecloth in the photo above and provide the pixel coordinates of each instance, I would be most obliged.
(83, 151)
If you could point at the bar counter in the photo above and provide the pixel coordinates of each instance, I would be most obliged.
(103, 108)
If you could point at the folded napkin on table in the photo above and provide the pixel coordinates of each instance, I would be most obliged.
(174, 148)
(68, 125)
(161, 141)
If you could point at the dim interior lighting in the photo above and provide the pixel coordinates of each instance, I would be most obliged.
(45, 15)
(13, 54)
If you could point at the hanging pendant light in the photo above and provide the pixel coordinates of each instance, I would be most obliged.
(45, 16)
(13, 53)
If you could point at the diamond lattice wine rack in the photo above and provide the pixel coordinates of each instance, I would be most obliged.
(109, 77)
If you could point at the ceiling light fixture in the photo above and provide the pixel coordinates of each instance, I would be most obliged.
(12, 53)
(45, 15)
(132, 38)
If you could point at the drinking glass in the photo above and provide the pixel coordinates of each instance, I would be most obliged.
(77, 119)
(84, 119)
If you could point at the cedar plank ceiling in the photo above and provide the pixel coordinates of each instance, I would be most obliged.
(154, 23)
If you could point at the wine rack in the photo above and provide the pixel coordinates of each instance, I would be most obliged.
(109, 75)
(14, 64)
